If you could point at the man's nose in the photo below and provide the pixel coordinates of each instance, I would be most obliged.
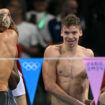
(70, 36)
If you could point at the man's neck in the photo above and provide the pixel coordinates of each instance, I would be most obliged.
(72, 50)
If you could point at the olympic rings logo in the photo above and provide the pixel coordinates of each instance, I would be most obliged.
(31, 66)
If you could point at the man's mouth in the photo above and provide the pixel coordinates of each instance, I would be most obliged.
(71, 42)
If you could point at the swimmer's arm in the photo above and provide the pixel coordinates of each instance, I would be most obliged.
(87, 101)
(103, 90)
(90, 53)
(7, 13)
(87, 89)
(14, 77)
(102, 96)
(4, 10)
(49, 76)
(21, 100)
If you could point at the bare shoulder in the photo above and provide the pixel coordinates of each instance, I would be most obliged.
(9, 36)
(11, 33)
(88, 52)
(52, 51)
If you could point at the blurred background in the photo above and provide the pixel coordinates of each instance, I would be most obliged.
(39, 25)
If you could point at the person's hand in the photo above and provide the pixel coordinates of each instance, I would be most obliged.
(92, 102)
(87, 102)
(102, 98)
(103, 90)
(13, 80)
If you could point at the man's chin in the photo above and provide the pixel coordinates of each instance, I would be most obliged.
(71, 45)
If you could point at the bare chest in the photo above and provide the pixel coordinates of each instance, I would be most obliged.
(71, 68)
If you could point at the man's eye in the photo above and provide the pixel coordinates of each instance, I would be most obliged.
(74, 33)
(66, 32)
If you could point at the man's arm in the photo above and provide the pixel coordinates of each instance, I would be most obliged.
(49, 76)
(103, 90)
(6, 13)
(102, 96)
(101, 100)
(21, 100)
(89, 53)
(10, 32)
(87, 101)
(14, 78)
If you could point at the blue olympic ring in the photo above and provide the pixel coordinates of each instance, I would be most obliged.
(31, 66)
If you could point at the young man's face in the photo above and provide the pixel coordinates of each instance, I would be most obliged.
(71, 35)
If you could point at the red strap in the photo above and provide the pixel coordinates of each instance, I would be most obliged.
(19, 56)
(103, 84)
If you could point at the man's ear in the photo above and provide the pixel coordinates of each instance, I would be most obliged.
(61, 31)
(81, 33)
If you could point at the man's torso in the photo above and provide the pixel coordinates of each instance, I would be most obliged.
(72, 77)
(8, 50)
